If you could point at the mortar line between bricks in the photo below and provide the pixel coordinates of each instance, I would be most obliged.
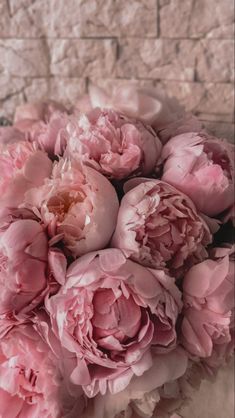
(98, 38)
(164, 80)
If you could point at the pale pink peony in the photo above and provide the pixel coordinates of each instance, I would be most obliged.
(51, 136)
(159, 226)
(9, 135)
(202, 167)
(208, 322)
(79, 206)
(22, 166)
(116, 146)
(37, 111)
(28, 270)
(109, 313)
(141, 396)
(152, 107)
(30, 381)
(44, 123)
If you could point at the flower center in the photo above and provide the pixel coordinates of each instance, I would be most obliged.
(62, 203)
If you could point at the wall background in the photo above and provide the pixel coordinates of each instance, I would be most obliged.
(54, 48)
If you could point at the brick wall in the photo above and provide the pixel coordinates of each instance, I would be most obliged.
(54, 48)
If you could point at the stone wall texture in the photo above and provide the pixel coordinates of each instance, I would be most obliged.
(55, 48)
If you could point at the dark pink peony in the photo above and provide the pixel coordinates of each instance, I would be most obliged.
(116, 146)
(109, 313)
(159, 226)
(202, 167)
(78, 205)
(208, 323)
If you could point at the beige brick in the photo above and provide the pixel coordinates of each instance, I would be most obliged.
(66, 90)
(196, 19)
(119, 18)
(215, 60)
(205, 98)
(24, 57)
(157, 59)
(76, 18)
(82, 57)
(24, 18)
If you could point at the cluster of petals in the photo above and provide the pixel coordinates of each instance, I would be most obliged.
(78, 205)
(159, 226)
(208, 322)
(113, 144)
(109, 313)
(202, 167)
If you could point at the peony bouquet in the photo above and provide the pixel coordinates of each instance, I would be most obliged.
(116, 257)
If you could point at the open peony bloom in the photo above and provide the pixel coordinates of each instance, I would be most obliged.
(152, 107)
(159, 226)
(29, 378)
(44, 123)
(109, 313)
(141, 396)
(9, 135)
(22, 166)
(51, 136)
(37, 111)
(116, 146)
(27, 269)
(202, 167)
(79, 206)
(208, 322)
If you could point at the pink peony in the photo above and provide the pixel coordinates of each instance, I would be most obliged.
(9, 135)
(28, 270)
(202, 167)
(159, 226)
(152, 107)
(37, 111)
(78, 205)
(22, 166)
(208, 322)
(51, 136)
(142, 395)
(44, 123)
(30, 381)
(109, 313)
(113, 144)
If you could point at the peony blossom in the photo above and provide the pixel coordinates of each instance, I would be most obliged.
(51, 136)
(37, 111)
(166, 116)
(9, 135)
(113, 144)
(159, 226)
(30, 381)
(78, 205)
(22, 166)
(28, 270)
(208, 323)
(142, 395)
(109, 313)
(202, 167)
